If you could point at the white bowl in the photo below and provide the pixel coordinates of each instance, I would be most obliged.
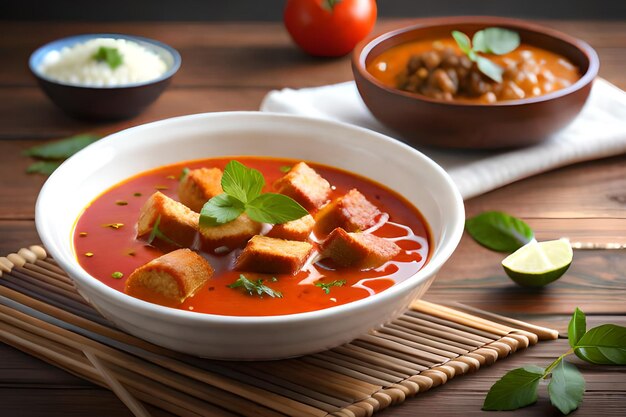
(107, 162)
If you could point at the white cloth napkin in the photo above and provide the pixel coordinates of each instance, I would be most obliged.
(599, 131)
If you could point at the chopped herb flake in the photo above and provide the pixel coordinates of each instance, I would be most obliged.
(82, 234)
(161, 187)
(274, 279)
(114, 225)
(183, 174)
(89, 254)
(170, 177)
(255, 287)
(326, 286)
(117, 275)
(121, 203)
(157, 233)
(137, 194)
(285, 168)
(131, 253)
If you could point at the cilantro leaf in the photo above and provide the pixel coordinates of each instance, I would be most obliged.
(183, 174)
(566, 387)
(516, 389)
(490, 68)
(62, 149)
(221, 209)
(327, 285)
(577, 327)
(241, 182)
(255, 287)
(499, 231)
(111, 56)
(603, 345)
(463, 41)
(274, 208)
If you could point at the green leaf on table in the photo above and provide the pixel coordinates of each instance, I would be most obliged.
(499, 231)
(62, 149)
(241, 182)
(255, 287)
(275, 209)
(490, 68)
(603, 345)
(516, 389)
(577, 327)
(221, 209)
(111, 56)
(43, 167)
(566, 387)
(496, 40)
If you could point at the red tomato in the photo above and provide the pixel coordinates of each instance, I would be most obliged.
(329, 27)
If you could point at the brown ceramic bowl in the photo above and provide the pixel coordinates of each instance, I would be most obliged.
(424, 121)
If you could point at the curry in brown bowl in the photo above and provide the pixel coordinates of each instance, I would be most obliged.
(474, 82)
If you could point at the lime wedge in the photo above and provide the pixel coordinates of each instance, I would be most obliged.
(539, 263)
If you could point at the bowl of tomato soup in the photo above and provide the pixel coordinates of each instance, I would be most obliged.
(423, 84)
(121, 219)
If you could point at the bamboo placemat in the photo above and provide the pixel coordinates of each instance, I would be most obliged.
(43, 315)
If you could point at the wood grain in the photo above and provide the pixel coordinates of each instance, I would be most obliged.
(231, 66)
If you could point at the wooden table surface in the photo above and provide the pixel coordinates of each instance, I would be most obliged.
(231, 67)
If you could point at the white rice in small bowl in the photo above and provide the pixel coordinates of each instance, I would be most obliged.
(78, 65)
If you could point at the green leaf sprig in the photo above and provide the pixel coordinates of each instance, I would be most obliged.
(494, 40)
(156, 233)
(499, 231)
(605, 344)
(242, 194)
(51, 155)
(255, 287)
(111, 56)
(326, 286)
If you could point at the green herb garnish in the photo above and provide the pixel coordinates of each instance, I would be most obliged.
(183, 174)
(605, 344)
(157, 233)
(137, 194)
(54, 153)
(114, 225)
(242, 194)
(111, 56)
(117, 275)
(497, 41)
(255, 287)
(499, 231)
(285, 168)
(327, 285)
(121, 202)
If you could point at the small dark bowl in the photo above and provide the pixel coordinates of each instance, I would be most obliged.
(424, 121)
(105, 103)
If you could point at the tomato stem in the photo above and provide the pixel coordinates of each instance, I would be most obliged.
(329, 5)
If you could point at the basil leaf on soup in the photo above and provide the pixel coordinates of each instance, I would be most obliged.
(221, 209)
(241, 182)
(275, 209)
(490, 68)
(499, 231)
(500, 41)
(463, 41)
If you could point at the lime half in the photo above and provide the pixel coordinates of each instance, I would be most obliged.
(539, 263)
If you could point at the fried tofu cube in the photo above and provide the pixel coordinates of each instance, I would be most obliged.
(273, 256)
(230, 235)
(305, 186)
(199, 186)
(299, 229)
(176, 221)
(360, 250)
(169, 279)
(352, 212)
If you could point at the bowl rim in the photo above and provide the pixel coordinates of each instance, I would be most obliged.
(37, 55)
(121, 299)
(361, 52)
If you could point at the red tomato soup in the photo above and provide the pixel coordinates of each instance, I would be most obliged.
(107, 247)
